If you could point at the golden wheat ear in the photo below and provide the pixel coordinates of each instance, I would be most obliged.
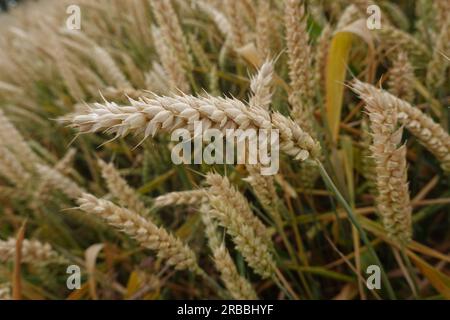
(393, 200)
(33, 251)
(432, 136)
(231, 210)
(144, 231)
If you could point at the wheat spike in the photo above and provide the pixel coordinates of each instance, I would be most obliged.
(63, 166)
(221, 187)
(109, 69)
(350, 14)
(33, 251)
(11, 168)
(172, 66)
(191, 197)
(320, 59)
(145, 232)
(212, 234)
(237, 26)
(437, 67)
(260, 86)
(393, 201)
(148, 116)
(392, 37)
(401, 78)
(264, 30)
(247, 232)
(367, 161)
(11, 137)
(57, 181)
(238, 287)
(120, 189)
(299, 61)
(430, 134)
(220, 20)
(172, 32)
(5, 291)
(264, 189)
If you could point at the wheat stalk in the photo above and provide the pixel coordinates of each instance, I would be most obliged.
(430, 134)
(148, 116)
(248, 233)
(145, 232)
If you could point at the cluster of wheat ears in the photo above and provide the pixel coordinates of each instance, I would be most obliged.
(85, 123)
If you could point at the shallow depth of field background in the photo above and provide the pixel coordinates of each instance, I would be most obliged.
(48, 74)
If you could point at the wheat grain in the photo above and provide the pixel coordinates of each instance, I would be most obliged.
(145, 232)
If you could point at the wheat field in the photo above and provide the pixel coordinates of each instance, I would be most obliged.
(356, 93)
